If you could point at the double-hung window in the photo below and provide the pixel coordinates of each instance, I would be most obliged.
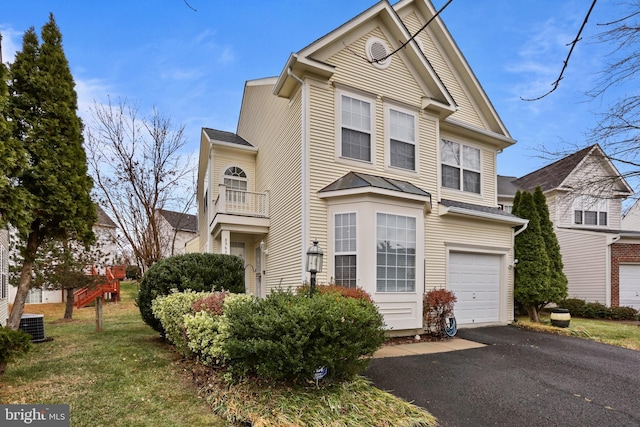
(345, 250)
(402, 140)
(355, 124)
(590, 211)
(460, 166)
(395, 253)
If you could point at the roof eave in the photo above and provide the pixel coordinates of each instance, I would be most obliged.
(458, 211)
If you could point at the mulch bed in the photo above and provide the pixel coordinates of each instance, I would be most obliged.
(413, 340)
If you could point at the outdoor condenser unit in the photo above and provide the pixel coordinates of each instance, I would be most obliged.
(33, 324)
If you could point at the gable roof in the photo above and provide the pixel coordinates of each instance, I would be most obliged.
(556, 174)
(553, 175)
(310, 60)
(104, 220)
(506, 186)
(180, 221)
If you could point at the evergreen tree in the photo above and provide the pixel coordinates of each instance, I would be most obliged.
(558, 281)
(49, 196)
(532, 274)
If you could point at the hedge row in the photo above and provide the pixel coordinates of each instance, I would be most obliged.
(283, 337)
(595, 310)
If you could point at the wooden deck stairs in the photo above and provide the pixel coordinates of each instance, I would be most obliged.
(109, 285)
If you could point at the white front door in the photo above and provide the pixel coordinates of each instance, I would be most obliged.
(630, 285)
(474, 278)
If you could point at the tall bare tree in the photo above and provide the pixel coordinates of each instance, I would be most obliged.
(617, 128)
(139, 167)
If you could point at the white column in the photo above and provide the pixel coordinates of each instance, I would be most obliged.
(225, 242)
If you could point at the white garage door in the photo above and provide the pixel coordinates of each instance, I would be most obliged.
(475, 280)
(630, 285)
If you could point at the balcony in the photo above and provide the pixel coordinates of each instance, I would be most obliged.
(240, 211)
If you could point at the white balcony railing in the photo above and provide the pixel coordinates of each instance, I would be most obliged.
(237, 202)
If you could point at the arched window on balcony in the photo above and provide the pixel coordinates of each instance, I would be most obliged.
(235, 179)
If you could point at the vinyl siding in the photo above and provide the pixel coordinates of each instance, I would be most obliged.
(467, 111)
(585, 259)
(4, 253)
(442, 233)
(273, 125)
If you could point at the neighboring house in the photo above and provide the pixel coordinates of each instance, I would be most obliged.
(105, 231)
(4, 276)
(176, 229)
(390, 165)
(601, 254)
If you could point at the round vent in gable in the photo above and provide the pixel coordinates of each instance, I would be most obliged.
(377, 52)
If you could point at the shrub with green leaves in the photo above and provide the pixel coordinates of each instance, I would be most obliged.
(198, 272)
(207, 328)
(574, 305)
(623, 313)
(596, 310)
(170, 311)
(287, 337)
(13, 343)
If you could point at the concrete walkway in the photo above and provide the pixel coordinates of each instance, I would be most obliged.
(425, 347)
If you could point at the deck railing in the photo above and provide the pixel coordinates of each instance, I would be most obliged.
(246, 203)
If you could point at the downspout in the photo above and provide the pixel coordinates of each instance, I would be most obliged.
(607, 288)
(524, 227)
(304, 164)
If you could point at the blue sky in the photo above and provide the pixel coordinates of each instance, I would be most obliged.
(192, 65)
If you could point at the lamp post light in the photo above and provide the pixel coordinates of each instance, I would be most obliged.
(314, 263)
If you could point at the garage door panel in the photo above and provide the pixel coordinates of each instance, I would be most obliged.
(630, 285)
(475, 281)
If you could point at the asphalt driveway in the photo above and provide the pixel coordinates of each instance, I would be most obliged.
(520, 378)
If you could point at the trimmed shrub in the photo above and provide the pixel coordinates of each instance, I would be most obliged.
(357, 293)
(624, 313)
(170, 311)
(574, 305)
(437, 306)
(287, 337)
(13, 343)
(198, 272)
(596, 310)
(207, 330)
(212, 304)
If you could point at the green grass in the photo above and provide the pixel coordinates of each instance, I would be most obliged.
(123, 376)
(128, 376)
(607, 331)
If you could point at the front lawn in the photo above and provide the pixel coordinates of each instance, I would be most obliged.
(128, 376)
(607, 331)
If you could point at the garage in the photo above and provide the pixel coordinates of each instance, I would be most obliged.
(630, 285)
(474, 278)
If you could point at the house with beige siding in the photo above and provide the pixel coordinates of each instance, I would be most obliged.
(105, 248)
(378, 141)
(601, 254)
(175, 229)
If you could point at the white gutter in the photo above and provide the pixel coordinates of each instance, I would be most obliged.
(304, 154)
(524, 227)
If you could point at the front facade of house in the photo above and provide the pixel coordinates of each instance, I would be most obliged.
(601, 255)
(390, 165)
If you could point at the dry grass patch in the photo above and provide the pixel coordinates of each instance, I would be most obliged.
(606, 331)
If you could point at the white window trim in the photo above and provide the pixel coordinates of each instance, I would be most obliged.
(461, 166)
(387, 139)
(585, 203)
(338, 120)
(417, 259)
(354, 252)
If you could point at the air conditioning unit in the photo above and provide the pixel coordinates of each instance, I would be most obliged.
(33, 324)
